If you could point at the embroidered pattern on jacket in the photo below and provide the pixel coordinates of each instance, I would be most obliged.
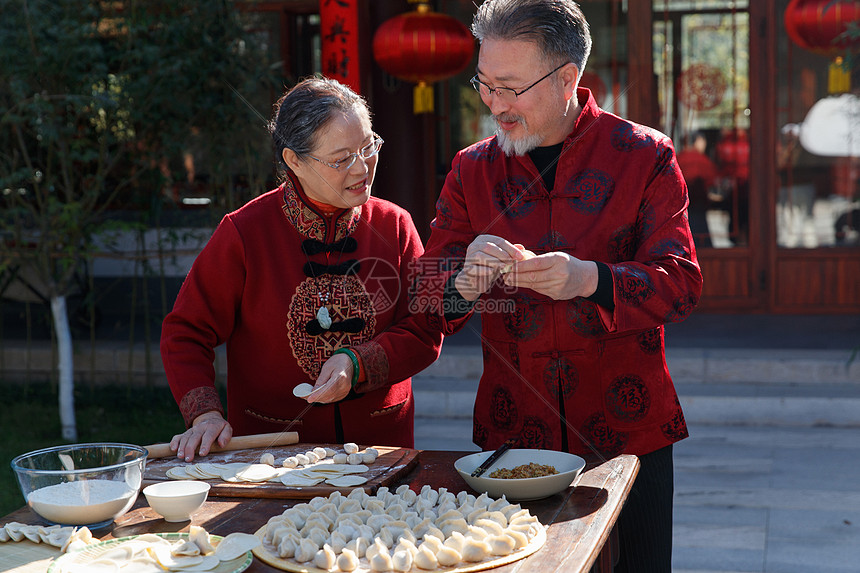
(308, 222)
(348, 298)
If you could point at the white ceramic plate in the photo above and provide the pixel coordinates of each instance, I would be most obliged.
(91, 553)
(568, 466)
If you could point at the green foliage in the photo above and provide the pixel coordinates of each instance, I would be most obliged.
(28, 421)
(98, 103)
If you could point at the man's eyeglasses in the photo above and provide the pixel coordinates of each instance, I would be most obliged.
(507, 95)
(366, 152)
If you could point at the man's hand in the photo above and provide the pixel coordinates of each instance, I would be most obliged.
(334, 381)
(204, 431)
(556, 275)
(486, 259)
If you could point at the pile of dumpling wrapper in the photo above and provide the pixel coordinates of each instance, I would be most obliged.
(400, 531)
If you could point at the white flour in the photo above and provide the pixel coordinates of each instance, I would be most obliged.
(82, 502)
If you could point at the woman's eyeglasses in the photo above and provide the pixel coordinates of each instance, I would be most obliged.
(366, 152)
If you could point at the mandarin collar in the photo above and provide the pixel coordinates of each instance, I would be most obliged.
(308, 221)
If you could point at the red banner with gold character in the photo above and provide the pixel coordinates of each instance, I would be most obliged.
(339, 39)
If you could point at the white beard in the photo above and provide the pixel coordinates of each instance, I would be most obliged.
(521, 146)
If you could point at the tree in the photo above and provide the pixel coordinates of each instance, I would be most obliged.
(97, 100)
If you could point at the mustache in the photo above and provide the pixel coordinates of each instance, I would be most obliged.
(508, 118)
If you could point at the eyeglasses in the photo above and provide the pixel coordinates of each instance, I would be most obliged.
(366, 152)
(507, 95)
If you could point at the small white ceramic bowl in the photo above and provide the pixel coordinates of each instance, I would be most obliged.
(526, 489)
(176, 500)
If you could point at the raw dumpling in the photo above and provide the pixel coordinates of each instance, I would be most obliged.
(381, 562)
(306, 551)
(354, 459)
(501, 544)
(347, 560)
(290, 462)
(425, 559)
(447, 556)
(268, 459)
(475, 550)
(325, 558)
(401, 560)
(339, 458)
(320, 452)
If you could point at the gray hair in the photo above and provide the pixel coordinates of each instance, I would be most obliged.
(305, 109)
(558, 27)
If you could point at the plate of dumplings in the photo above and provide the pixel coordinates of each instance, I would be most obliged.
(400, 530)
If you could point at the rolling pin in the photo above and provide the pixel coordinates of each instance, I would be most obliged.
(236, 443)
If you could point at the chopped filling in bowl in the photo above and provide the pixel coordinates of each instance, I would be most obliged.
(531, 470)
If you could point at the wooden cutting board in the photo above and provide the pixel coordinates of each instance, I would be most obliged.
(392, 464)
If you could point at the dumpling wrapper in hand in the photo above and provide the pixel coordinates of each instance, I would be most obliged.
(527, 254)
(235, 545)
(303, 390)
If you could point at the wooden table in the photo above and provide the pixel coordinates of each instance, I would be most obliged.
(580, 519)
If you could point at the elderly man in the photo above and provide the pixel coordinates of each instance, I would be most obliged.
(568, 230)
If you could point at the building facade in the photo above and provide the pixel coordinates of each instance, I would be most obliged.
(761, 116)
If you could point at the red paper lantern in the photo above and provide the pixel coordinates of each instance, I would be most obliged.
(819, 25)
(423, 47)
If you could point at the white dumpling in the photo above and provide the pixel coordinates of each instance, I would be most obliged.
(409, 497)
(368, 458)
(339, 458)
(520, 538)
(456, 541)
(358, 546)
(376, 547)
(498, 517)
(483, 500)
(290, 462)
(325, 558)
(268, 458)
(375, 506)
(312, 457)
(349, 506)
(432, 542)
(366, 531)
(288, 546)
(338, 541)
(475, 550)
(447, 556)
(395, 510)
(329, 452)
(501, 544)
(477, 533)
(498, 504)
(376, 522)
(429, 494)
(385, 537)
(354, 459)
(318, 536)
(347, 560)
(381, 562)
(452, 526)
(489, 526)
(350, 448)
(306, 551)
(425, 559)
(401, 560)
(406, 544)
(302, 459)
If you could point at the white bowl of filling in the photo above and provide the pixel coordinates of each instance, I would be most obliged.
(522, 474)
(81, 484)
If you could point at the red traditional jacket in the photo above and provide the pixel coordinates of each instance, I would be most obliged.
(572, 374)
(257, 286)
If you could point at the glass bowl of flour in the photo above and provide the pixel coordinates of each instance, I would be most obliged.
(81, 484)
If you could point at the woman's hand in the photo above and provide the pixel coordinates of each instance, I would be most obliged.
(334, 381)
(204, 431)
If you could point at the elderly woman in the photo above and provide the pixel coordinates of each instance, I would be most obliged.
(306, 283)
